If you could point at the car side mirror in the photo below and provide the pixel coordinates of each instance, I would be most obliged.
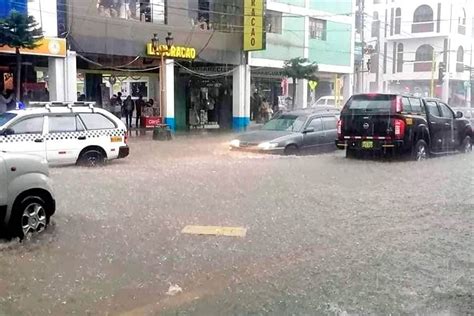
(308, 130)
(7, 131)
(459, 114)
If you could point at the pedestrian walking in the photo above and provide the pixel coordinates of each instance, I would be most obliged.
(12, 104)
(139, 105)
(265, 111)
(128, 106)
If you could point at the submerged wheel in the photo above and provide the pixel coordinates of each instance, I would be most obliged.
(291, 150)
(420, 151)
(91, 158)
(466, 145)
(30, 216)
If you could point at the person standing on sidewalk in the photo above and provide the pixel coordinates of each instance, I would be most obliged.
(139, 105)
(4, 101)
(128, 106)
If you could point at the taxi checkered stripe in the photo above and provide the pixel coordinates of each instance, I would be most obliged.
(19, 138)
(61, 135)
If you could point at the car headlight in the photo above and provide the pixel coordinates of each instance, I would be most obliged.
(235, 143)
(267, 146)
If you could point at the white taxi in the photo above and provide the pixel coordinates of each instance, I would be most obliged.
(64, 133)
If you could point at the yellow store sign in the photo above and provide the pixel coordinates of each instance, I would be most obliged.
(48, 46)
(253, 25)
(174, 52)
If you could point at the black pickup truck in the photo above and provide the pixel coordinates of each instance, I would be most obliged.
(391, 123)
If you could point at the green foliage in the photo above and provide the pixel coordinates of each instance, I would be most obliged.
(301, 68)
(19, 31)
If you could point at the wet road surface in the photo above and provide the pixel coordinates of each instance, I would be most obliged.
(325, 235)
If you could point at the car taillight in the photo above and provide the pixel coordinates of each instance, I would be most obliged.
(397, 105)
(339, 128)
(126, 138)
(399, 128)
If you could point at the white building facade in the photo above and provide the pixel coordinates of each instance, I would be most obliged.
(408, 42)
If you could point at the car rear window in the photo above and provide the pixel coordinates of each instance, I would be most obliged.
(370, 103)
(96, 121)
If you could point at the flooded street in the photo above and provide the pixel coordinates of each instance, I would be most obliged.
(325, 235)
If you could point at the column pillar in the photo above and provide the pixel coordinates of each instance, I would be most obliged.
(301, 94)
(70, 75)
(445, 88)
(56, 84)
(169, 94)
(241, 97)
(348, 88)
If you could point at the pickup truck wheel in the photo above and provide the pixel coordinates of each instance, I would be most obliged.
(29, 217)
(466, 145)
(420, 151)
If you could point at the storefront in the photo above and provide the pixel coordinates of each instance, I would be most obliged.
(44, 70)
(204, 96)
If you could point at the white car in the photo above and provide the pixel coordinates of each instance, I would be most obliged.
(329, 100)
(64, 133)
(26, 197)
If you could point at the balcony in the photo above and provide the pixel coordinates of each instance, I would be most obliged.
(422, 66)
(422, 27)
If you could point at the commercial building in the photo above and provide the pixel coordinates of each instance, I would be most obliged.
(421, 47)
(320, 30)
(48, 71)
(204, 76)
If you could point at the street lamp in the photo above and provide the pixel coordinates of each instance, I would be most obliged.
(162, 50)
(169, 40)
(155, 43)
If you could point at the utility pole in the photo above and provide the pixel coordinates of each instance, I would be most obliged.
(469, 89)
(447, 61)
(433, 69)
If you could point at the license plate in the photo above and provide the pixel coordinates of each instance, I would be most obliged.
(115, 139)
(367, 144)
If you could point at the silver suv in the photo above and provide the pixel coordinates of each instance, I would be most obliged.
(26, 197)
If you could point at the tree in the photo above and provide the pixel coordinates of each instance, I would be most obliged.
(19, 31)
(300, 68)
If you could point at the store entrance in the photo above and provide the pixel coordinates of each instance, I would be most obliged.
(209, 104)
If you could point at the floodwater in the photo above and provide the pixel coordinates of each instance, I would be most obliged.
(325, 235)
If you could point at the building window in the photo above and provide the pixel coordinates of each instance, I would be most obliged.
(398, 20)
(472, 30)
(223, 16)
(423, 58)
(317, 29)
(140, 10)
(375, 25)
(460, 60)
(273, 22)
(462, 22)
(400, 57)
(423, 19)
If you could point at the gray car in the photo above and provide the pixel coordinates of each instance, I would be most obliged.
(293, 132)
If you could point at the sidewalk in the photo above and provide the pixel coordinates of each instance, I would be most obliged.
(148, 133)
